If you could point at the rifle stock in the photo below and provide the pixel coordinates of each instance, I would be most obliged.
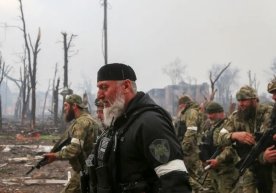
(57, 147)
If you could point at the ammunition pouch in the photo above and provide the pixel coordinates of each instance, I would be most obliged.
(206, 151)
(103, 180)
(92, 173)
(181, 129)
(84, 182)
(242, 149)
(206, 146)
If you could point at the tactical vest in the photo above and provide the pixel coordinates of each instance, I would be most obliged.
(105, 155)
(207, 147)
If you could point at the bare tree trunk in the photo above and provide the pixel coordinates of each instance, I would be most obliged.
(54, 106)
(18, 106)
(56, 103)
(32, 72)
(253, 81)
(3, 71)
(213, 82)
(66, 48)
(44, 104)
(1, 121)
(26, 90)
(26, 87)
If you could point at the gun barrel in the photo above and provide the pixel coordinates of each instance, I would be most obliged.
(56, 148)
(39, 164)
(28, 172)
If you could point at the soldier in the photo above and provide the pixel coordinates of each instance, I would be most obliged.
(189, 113)
(100, 106)
(269, 156)
(81, 132)
(241, 128)
(221, 161)
(139, 152)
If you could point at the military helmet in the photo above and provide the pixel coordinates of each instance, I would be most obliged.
(246, 92)
(184, 99)
(271, 87)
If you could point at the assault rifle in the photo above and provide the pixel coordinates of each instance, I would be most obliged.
(57, 147)
(265, 141)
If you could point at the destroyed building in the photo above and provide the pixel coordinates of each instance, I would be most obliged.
(168, 97)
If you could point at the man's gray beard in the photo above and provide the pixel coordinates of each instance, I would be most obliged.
(114, 111)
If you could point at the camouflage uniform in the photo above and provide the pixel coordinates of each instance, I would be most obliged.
(271, 88)
(82, 133)
(191, 116)
(224, 175)
(258, 123)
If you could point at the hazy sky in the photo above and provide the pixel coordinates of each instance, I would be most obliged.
(146, 34)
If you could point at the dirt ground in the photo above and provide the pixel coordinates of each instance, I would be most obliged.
(16, 160)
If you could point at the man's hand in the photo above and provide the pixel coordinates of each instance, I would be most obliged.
(213, 163)
(269, 155)
(50, 157)
(243, 137)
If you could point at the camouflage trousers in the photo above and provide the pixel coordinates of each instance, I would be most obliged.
(73, 186)
(196, 174)
(207, 184)
(224, 180)
(248, 183)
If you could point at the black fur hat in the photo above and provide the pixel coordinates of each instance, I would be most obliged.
(116, 71)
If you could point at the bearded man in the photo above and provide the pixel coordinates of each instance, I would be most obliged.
(82, 135)
(139, 151)
(240, 131)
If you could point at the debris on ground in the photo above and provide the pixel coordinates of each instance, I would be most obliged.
(18, 156)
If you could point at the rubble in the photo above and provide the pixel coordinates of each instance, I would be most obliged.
(18, 156)
(31, 136)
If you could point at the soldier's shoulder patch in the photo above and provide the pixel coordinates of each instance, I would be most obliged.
(160, 150)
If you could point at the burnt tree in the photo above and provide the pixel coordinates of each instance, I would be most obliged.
(222, 79)
(67, 44)
(253, 81)
(66, 48)
(32, 53)
(45, 101)
(54, 106)
(213, 81)
(3, 70)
